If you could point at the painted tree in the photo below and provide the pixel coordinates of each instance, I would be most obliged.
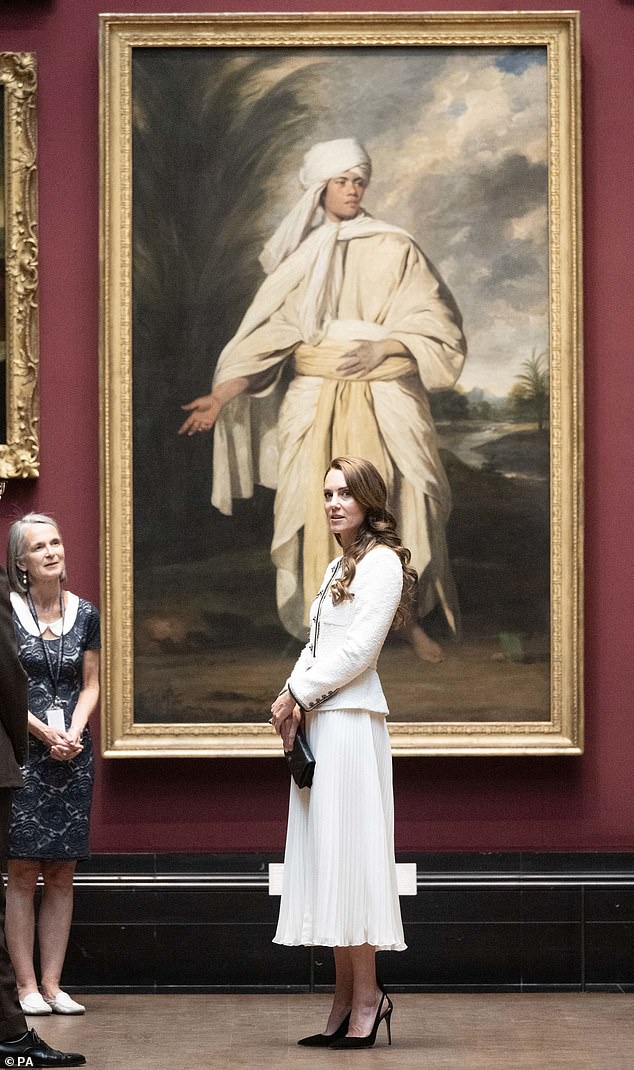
(530, 394)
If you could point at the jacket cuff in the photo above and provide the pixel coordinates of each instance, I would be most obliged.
(316, 702)
(294, 697)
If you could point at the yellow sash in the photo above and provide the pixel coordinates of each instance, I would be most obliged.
(344, 425)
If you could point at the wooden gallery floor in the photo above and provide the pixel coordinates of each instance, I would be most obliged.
(437, 1032)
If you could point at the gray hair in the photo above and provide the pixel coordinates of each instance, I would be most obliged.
(18, 579)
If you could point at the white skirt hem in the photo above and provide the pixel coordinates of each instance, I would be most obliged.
(333, 943)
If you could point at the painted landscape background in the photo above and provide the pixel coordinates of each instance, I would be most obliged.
(459, 149)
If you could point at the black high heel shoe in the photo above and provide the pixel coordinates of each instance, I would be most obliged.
(325, 1040)
(368, 1042)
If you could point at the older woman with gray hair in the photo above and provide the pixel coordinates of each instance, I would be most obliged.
(58, 644)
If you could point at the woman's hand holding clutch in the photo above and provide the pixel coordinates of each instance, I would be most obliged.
(281, 709)
(289, 728)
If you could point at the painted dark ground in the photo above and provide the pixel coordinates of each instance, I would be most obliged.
(208, 644)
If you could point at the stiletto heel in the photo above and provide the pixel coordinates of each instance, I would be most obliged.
(368, 1042)
(388, 1013)
(325, 1040)
(388, 1023)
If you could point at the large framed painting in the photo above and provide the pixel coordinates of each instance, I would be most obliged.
(250, 307)
(19, 349)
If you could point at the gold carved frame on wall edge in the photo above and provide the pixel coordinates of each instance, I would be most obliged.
(19, 449)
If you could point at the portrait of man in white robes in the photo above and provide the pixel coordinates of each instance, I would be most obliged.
(339, 250)
(370, 329)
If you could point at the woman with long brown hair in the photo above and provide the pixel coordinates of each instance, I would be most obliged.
(339, 870)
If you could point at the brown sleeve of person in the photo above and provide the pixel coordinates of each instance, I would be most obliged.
(13, 696)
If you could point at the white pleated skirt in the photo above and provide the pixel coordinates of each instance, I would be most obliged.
(339, 885)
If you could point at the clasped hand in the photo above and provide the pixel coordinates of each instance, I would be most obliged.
(64, 745)
(286, 717)
(363, 358)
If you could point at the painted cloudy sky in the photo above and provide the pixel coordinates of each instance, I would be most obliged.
(458, 142)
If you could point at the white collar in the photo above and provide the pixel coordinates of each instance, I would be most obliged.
(23, 613)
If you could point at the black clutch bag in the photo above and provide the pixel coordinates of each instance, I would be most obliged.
(300, 761)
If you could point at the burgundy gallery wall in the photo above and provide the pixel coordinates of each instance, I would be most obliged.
(441, 804)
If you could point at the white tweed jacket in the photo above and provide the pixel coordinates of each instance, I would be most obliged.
(337, 667)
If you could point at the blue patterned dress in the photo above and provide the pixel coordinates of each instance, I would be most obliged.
(51, 813)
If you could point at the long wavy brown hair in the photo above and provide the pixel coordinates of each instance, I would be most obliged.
(378, 528)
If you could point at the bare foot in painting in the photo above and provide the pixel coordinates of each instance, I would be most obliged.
(424, 647)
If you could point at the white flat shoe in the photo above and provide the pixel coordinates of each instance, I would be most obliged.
(63, 1004)
(33, 1003)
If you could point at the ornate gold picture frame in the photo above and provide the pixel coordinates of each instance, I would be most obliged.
(473, 125)
(19, 323)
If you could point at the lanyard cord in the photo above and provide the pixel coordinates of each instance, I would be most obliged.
(60, 652)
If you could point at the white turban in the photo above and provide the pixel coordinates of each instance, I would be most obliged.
(323, 161)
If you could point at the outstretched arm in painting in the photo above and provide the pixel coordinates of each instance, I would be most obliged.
(205, 410)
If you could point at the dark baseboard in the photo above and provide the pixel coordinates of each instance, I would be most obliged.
(490, 922)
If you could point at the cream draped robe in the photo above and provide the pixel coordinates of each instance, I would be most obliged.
(380, 285)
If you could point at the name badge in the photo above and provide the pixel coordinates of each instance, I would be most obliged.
(55, 718)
